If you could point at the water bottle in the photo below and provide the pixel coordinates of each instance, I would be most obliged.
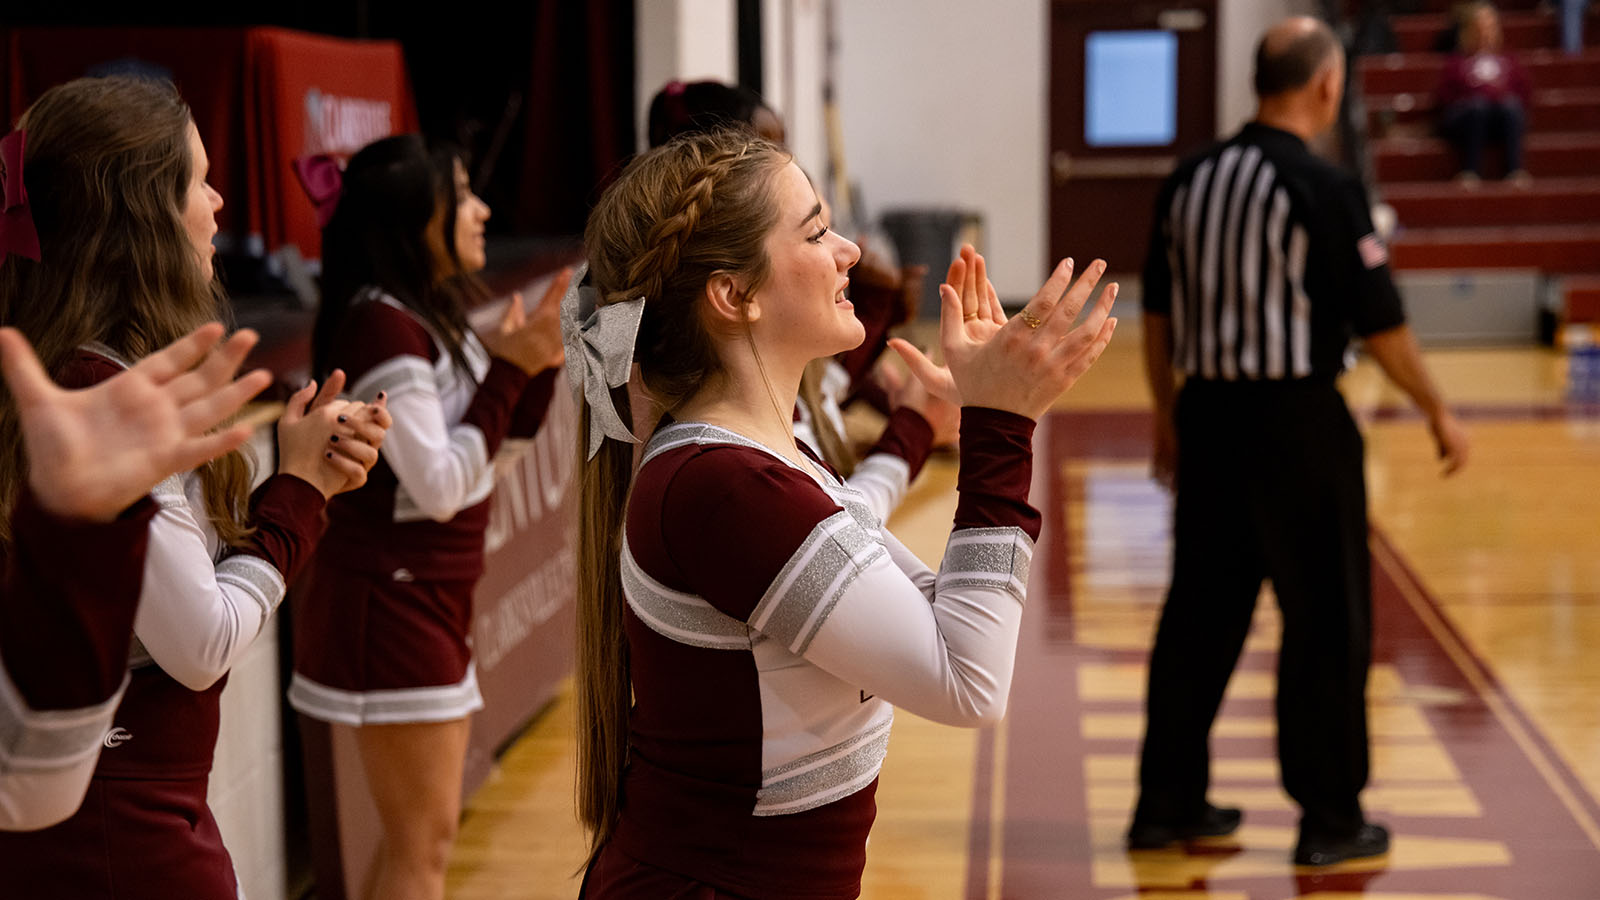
(1583, 364)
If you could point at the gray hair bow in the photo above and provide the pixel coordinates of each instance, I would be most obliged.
(599, 342)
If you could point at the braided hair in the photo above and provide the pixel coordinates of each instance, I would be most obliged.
(701, 205)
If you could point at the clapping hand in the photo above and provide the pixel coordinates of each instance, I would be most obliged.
(532, 342)
(1021, 364)
(93, 452)
(329, 442)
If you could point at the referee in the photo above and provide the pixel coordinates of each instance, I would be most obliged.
(1262, 265)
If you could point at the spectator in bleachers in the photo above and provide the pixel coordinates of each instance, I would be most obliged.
(1483, 96)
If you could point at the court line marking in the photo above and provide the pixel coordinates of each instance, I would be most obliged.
(997, 811)
(1411, 588)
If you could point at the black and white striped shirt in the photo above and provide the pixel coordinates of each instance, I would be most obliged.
(1264, 257)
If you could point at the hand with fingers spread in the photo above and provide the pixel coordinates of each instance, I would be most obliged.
(531, 342)
(328, 442)
(92, 453)
(1023, 364)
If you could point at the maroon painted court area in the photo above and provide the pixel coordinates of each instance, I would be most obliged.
(1530, 802)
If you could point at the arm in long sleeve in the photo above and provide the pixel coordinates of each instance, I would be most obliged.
(442, 465)
(888, 469)
(64, 637)
(197, 617)
(534, 404)
(885, 474)
(837, 594)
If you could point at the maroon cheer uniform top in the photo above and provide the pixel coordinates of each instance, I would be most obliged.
(381, 633)
(144, 830)
(772, 625)
(64, 632)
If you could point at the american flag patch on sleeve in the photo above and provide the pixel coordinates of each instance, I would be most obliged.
(1373, 252)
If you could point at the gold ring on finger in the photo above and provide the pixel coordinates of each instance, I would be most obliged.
(969, 317)
(1029, 319)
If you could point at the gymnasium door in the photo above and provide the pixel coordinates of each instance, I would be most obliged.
(1132, 89)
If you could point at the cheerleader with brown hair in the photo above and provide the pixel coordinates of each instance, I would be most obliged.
(746, 625)
(114, 173)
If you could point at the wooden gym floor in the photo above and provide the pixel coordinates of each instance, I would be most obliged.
(1485, 725)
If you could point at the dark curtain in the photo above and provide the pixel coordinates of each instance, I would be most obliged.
(577, 127)
(539, 94)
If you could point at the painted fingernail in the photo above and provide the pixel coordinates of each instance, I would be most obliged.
(342, 420)
(335, 439)
(382, 394)
(329, 454)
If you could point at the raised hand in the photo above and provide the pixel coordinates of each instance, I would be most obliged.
(329, 442)
(93, 452)
(1019, 365)
(532, 342)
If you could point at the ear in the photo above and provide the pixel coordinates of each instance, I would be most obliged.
(1334, 78)
(727, 301)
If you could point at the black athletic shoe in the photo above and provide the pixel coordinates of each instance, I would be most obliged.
(1215, 822)
(1371, 840)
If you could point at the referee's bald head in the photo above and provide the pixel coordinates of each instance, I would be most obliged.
(1291, 54)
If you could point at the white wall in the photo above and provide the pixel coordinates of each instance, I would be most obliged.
(687, 40)
(246, 790)
(1239, 27)
(792, 63)
(944, 103)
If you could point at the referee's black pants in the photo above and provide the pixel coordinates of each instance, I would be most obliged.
(1270, 486)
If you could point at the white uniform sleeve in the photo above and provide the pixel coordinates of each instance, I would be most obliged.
(440, 466)
(47, 757)
(197, 617)
(939, 646)
(883, 479)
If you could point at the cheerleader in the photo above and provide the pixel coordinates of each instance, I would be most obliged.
(882, 297)
(93, 457)
(381, 640)
(115, 185)
(745, 623)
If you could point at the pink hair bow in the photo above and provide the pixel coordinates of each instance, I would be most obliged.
(323, 178)
(17, 234)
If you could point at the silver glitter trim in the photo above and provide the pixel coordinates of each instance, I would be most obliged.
(256, 577)
(816, 576)
(682, 434)
(169, 494)
(469, 452)
(46, 740)
(988, 558)
(102, 350)
(423, 704)
(886, 469)
(677, 616)
(825, 776)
